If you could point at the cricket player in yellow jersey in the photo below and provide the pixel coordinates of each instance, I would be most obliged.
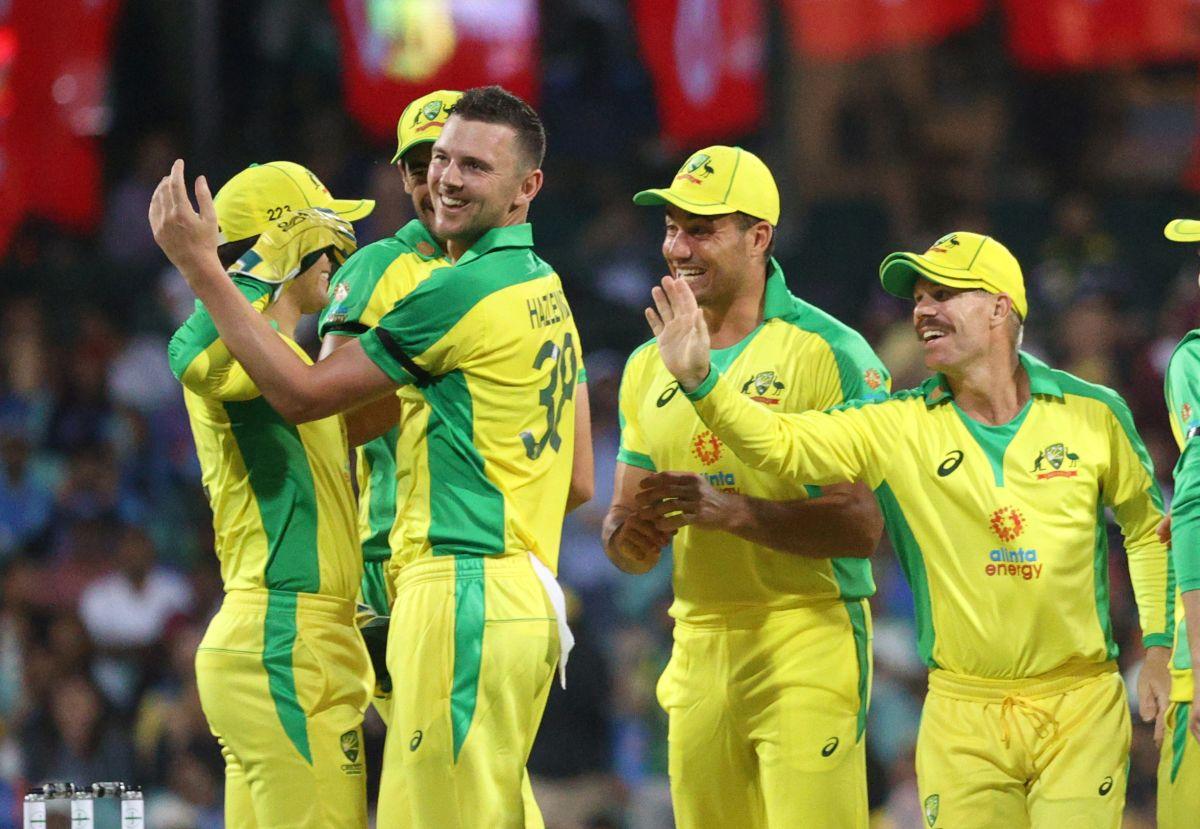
(282, 672)
(1179, 761)
(491, 348)
(769, 679)
(362, 291)
(993, 476)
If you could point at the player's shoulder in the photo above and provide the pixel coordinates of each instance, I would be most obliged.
(821, 326)
(1186, 353)
(642, 356)
(1057, 382)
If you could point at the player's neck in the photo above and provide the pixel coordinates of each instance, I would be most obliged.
(992, 390)
(457, 247)
(286, 313)
(731, 322)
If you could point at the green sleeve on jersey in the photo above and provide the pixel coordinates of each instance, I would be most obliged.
(420, 338)
(582, 378)
(191, 354)
(1183, 402)
(1185, 519)
(356, 281)
(632, 448)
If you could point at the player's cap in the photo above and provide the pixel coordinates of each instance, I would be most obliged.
(719, 180)
(262, 193)
(423, 119)
(958, 260)
(1183, 230)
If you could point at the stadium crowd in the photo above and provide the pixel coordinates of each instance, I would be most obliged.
(107, 577)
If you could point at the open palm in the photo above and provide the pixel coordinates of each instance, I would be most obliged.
(678, 323)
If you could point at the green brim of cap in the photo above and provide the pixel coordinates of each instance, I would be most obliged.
(352, 209)
(1183, 230)
(900, 271)
(649, 198)
(415, 142)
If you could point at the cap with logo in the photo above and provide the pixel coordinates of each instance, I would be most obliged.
(263, 192)
(423, 119)
(719, 180)
(958, 260)
(1183, 230)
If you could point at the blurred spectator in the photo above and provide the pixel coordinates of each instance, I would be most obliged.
(73, 736)
(125, 238)
(126, 614)
(26, 498)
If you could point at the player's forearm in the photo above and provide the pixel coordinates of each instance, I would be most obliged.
(1191, 615)
(839, 524)
(583, 471)
(797, 447)
(1148, 563)
(279, 373)
(1185, 522)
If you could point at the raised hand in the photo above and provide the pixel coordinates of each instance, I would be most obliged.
(678, 323)
(187, 237)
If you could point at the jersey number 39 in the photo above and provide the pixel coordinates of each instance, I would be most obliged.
(554, 394)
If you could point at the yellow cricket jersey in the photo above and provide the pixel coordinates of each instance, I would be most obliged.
(999, 529)
(800, 358)
(1183, 405)
(361, 293)
(490, 346)
(283, 510)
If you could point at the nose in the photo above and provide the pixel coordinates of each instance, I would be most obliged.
(451, 176)
(676, 248)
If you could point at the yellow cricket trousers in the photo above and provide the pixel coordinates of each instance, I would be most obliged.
(284, 679)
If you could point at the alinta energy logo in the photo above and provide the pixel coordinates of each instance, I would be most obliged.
(707, 448)
(1008, 523)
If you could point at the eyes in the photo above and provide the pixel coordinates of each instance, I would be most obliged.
(698, 232)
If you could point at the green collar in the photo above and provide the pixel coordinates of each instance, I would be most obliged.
(777, 300)
(1041, 381)
(511, 236)
(414, 233)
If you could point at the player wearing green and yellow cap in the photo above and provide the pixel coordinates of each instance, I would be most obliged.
(993, 476)
(1179, 762)
(771, 578)
(282, 672)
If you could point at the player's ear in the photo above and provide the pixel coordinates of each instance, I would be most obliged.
(530, 185)
(1002, 309)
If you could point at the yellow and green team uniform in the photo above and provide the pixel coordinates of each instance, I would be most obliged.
(489, 346)
(1179, 764)
(768, 684)
(361, 293)
(1000, 532)
(282, 672)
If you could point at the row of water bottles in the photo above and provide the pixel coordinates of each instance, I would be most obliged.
(82, 801)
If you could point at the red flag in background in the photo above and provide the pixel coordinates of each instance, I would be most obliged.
(1055, 35)
(393, 52)
(54, 60)
(849, 29)
(706, 60)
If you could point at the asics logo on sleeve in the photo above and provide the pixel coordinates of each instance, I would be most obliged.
(667, 394)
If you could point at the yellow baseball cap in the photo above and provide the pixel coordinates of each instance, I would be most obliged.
(1183, 230)
(958, 260)
(262, 193)
(423, 119)
(719, 180)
